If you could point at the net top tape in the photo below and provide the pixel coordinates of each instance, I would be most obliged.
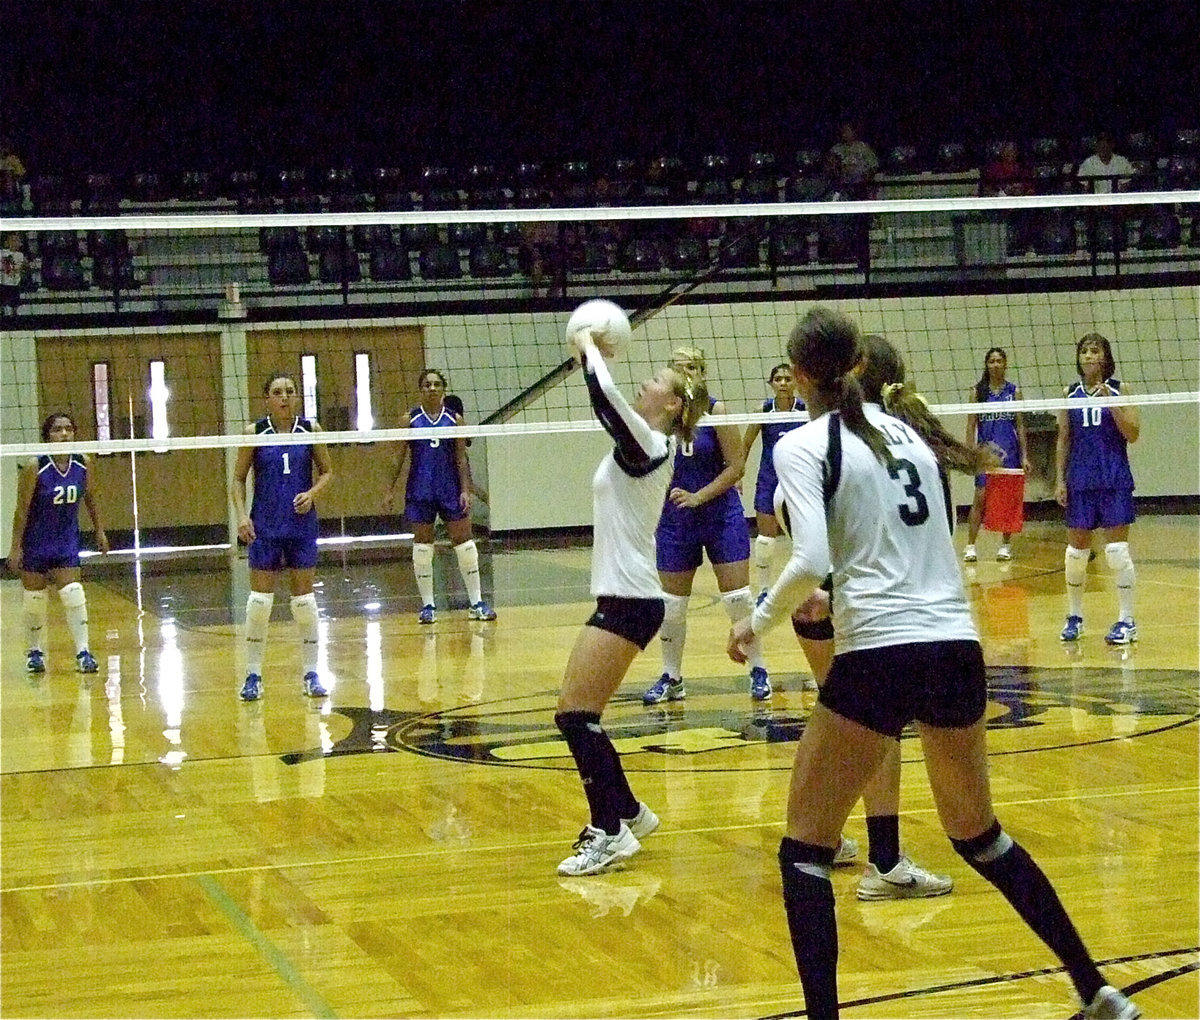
(234, 221)
(357, 437)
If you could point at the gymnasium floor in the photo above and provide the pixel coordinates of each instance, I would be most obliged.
(169, 851)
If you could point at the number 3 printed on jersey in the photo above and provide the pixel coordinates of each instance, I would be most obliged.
(918, 512)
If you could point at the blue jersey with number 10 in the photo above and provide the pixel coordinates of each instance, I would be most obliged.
(1099, 455)
(281, 473)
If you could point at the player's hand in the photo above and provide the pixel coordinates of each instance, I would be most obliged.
(464, 501)
(303, 502)
(14, 561)
(740, 635)
(389, 501)
(1060, 494)
(813, 608)
(102, 542)
(683, 498)
(246, 530)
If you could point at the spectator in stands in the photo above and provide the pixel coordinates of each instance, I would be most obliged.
(1105, 168)
(540, 257)
(1008, 175)
(12, 179)
(851, 165)
(12, 272)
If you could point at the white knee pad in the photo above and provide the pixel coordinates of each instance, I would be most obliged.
(1116, 554)
(468, 565)
(258, 610)
(738, 604)
(764, 545)
(423, 558)
(1075, 565)
(72, 595)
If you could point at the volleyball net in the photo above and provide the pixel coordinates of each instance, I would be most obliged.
(156, 331)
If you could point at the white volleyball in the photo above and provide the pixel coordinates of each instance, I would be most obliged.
(608, 322)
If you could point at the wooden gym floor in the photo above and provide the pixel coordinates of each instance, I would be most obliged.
(169, 851)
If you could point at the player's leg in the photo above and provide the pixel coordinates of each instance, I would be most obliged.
(728, 548)
(301, 580)
(975, 518)
(467, 554)
(264, 557)
(421, 518)
(34, 597)
(679, 557)
(74, 601)
(1120, 562)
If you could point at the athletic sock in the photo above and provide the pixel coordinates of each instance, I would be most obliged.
(673, 633)
(598, 764)
(1075, 571)
(812, 924)
(35, 619)
(764, 546)
(883, 838)
(423, 570)
(1010, 869)
(304, 612)
(258, 616)
(738, 605)
(75, 606)
(468, 566)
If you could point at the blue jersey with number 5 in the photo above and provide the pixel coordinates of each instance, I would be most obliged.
(280, 474)
(52, 524)
(433, 473)
(1099, 455)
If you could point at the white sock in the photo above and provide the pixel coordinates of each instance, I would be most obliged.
(1075, 571)
(1121, 564)
(258, 615)
(764, 546)
(673, 634)
(468, 566)
(75, 603)
(304, 612)
(423, 569)
(738, 605)
(35, 618)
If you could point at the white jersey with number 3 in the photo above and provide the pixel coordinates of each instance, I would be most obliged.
(885, 537)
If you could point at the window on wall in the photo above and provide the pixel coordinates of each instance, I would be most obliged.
(308, 384)
(157, 396)
(365, 419)
(102, 400)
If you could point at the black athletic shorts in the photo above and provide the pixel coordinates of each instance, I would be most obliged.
(635, 620)
(941, 683)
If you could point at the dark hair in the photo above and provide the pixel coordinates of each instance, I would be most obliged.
(1110, 366)
(783, 364)
(277, 375)
(48, 424)
(984, 384)
(432, 371)
(883, 376)
(826, 346)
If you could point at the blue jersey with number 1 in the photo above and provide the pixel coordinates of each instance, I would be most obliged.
(52, 524)
(1099, 455)
(280, 474)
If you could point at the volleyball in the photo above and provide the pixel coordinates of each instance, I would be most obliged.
(608, 322)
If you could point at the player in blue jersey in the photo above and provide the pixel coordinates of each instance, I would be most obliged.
(703, 514)
(1004, 430)
(45, 541)
(439, 485)
(764, 488)
(869, 504)
(281, 529)
(628, 492)
(1095, 484)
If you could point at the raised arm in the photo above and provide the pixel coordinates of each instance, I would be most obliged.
(638, 445)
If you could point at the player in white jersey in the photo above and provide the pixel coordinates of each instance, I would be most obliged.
(869, 504)
(629, 488)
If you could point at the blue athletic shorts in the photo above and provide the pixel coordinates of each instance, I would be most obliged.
(718, 529)
(1088, 509)
(764, 491)
(635, 620)
(283, 553)
(941, 683)
(427, 511)
(40, 564)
